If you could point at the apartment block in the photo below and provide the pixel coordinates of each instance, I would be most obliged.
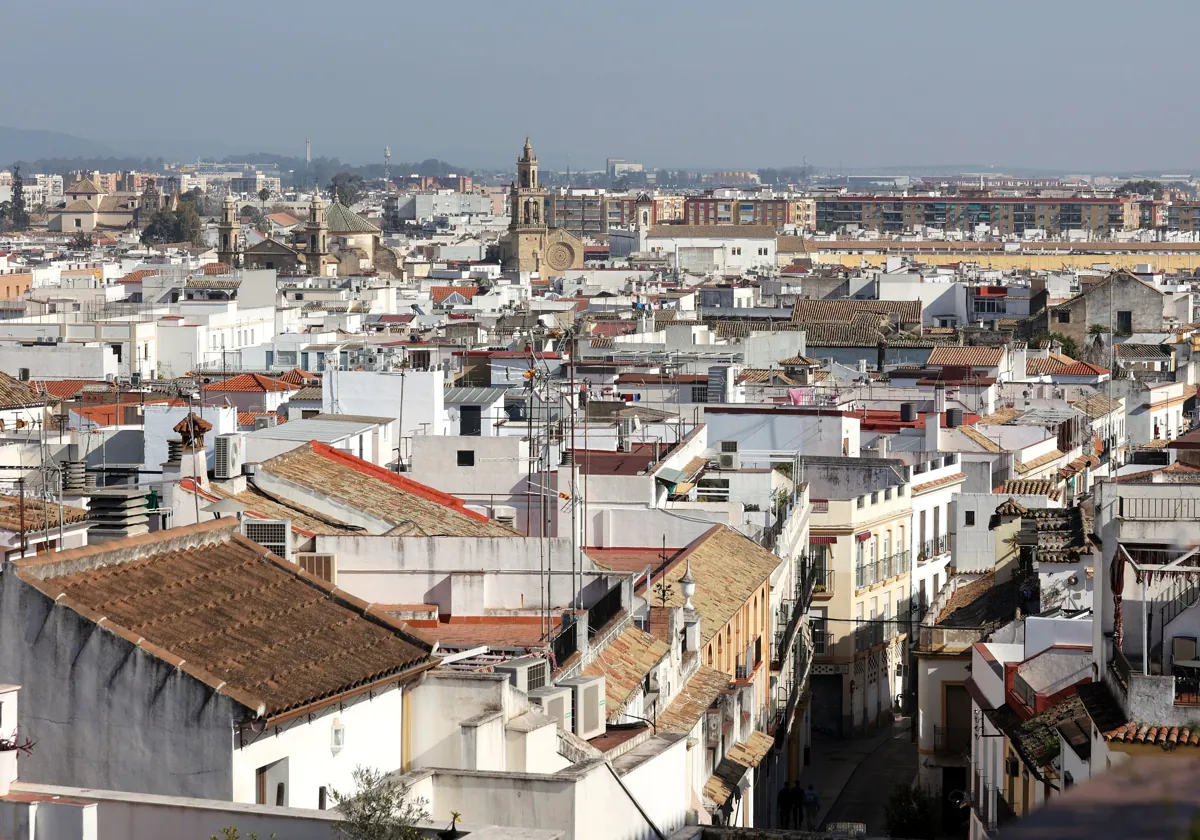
(1007, 215)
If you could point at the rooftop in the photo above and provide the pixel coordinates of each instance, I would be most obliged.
(225, 611)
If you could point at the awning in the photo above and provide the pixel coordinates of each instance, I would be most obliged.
(682, 487)
(670, 476)
(863, 537)
(740, 758)
(821, 540)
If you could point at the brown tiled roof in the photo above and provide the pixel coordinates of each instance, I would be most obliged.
(192, 423)
(1036, 739)
(227, 612)
(1000, 416)
(1114, 725)
(1039, 366)
(1029, 487)
(412, 508)
(37, 515)
(728, 569)
(1081, 369)
(1154, 352)
(966, 356)
(980, 438)
(297, 376)
(251, 383)
(1040, 461)
(624, 664)
(84, 186)
(966, 594)
(311, 392)
(246, 418)
(17, 394)
(302, 518)
(65, 389)
(696, 698)
(940, 482)
(741, 757)
(843, 311)
(440, 293)
(1097, 406)
(1011, 508)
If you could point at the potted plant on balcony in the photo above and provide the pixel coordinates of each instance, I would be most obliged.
(10, 749)
(451, 832)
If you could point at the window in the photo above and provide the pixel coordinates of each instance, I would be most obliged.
(1063, 316)
(79, 223)
(1124, 322)
(969, 518)
(322, 797)
(466, 457)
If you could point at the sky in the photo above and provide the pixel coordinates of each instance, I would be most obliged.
(1063, 85)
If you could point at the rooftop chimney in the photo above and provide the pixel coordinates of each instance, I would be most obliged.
(117, 512)
(933, 431)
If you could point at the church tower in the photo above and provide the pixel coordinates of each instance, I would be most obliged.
(528, 202)
(229, 234)
(318, 233)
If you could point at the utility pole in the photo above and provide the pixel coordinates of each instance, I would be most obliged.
(21, 515)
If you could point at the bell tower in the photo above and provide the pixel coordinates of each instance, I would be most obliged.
(527, 201)
(318, 233)
(229, 234)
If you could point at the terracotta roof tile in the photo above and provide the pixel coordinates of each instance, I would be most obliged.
(1081, 369)
(440, 293)
(254, 383)
(624, 664)
(230, 614)
(940, 482)
(741, 757)
(1040, 461)
(37, 515)
(1029, 487)
(696, 698)
(65, 389)
(966, 356)
(1097, 406)
(17, 394)
(299, 377)
(844, 311)
(413, 509)
(980, 438)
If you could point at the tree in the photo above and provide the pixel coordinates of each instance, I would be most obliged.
(379, 808)
(1068, 345)
(346, 187)
(1143, 187)
(182, 225)
(196, 199)
(911, 812)
(263, 195)
(82, 241)
(19, 216)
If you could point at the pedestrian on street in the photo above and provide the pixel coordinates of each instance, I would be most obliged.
(812, 806)
(795, 806)
(783, 803)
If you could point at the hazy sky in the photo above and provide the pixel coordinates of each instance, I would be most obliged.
(1087, 85)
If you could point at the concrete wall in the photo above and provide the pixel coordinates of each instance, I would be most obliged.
(68, 360)
(379, 395)
(160, 421)
(105, 713)
(303, 749)
(783, 431)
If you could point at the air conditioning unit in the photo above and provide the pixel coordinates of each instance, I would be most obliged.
(527, 673)
(135, 380)
(275, 535)
(505, 515)
(588, 706)
(227, 456)
(728, 457)
(266, 421)
(557, 702)
(319, 565)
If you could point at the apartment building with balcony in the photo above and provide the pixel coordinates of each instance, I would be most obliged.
(936, 479)
(1005, 215)
(861, 556)
(724, 210)
(1147, 627)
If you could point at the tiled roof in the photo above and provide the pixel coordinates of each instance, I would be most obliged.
(741, 757)
(412, 508)
(84, 186)
(1097, 406)
(224, 611)
(37, 514)
(1000, 416)
(79, 205)
(1029, 487)
(1040, 461)
(440, 293)
(216, 269)
(1036, 739)
(1040, 367)
(138, 276)
(254, 383)
(212, 283)
(966, 594)
(340, 219)
(17, 394)
(297, 376)
(310, 393)
(728, 569)
(246, 418)
(843, 311)
(1153, 352)
(65, 389)
(940, 482)
(980, 438)
(1081, 369)
(302, 518)
(624, 664)
(696, 698)
(1011, 507)
(1114, 725)
(966, 356)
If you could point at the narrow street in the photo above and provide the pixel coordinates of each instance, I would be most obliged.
(855, 777)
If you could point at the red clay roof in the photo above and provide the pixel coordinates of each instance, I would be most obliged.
(299, 377)
(65, 389)
(252, 383)
(214, 269)
(440, 293)
(966, 356)
(1080, 369)
(246, 418)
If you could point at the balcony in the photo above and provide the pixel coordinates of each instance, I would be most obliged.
(951, 741)
(822, 582)
(869, 636)
(822, 642)
(934, 548)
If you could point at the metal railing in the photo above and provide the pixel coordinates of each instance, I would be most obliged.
(868, 636)
(1120, 668)
(822, 642)
(564, 644)
(822, 581)
(951, 741)
(935, 547)
(604, 610)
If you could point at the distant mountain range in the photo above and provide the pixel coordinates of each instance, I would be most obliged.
(35, 144)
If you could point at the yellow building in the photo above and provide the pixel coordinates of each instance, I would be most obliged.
(530, 244)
